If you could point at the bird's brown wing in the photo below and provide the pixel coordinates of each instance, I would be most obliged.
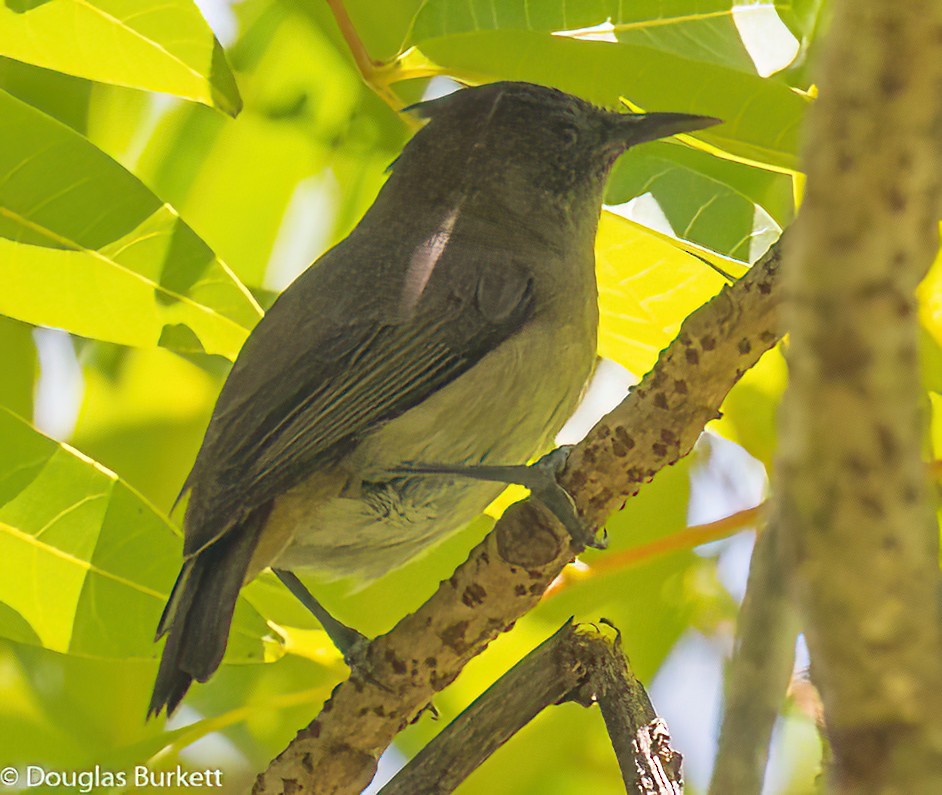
(318, 373)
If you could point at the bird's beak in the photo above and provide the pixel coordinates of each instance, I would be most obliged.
(637, 128)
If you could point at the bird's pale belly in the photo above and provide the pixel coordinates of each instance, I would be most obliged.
(527, 393)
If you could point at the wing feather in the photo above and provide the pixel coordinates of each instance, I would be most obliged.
(287, 410)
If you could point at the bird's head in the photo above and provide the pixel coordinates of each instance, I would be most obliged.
(526, 137)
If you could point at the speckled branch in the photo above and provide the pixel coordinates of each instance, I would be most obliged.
(507, 573)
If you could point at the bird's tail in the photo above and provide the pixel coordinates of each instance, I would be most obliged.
(199, 611)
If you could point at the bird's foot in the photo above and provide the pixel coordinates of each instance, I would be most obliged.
(348, 641)
(539, 477)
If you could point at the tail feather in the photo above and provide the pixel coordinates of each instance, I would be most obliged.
(173, 606)
(199, 612)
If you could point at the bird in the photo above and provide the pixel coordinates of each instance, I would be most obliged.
(455, 324)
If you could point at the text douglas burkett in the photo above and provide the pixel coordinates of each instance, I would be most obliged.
(90, 779)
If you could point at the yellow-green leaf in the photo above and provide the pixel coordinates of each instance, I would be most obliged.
(86, 247)
(85, 562)
(648, 284)
(929, 294)
(156, 45)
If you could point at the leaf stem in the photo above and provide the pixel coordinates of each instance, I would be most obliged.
(381, 75)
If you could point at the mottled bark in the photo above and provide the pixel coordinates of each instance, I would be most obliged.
(854, 503)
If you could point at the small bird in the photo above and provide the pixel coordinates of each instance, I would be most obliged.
(455, 324)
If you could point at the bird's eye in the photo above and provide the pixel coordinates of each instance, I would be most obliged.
(569, 135)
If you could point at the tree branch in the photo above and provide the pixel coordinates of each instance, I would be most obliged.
(649, 764)
(577, 663)
(506, 574)
(547, 675)
(854, 505)
(759, 673)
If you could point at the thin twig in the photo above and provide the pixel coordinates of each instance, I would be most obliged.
(649, 764)
(759, 673)
(380, 75)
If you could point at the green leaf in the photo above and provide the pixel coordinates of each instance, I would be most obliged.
(935, 428)
(235, 183)
(161, 45)
(802, 17)
(701, 30)
(648, 284)
(86, 563)
(929, 294)
(20, 366)
(930, 361)
(727, 207)
(86, 247)
(152, 400)
(382, 27)
(761, 116)
(59, 95)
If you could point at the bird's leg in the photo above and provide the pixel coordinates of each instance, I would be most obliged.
(350, 643)
(539, 477)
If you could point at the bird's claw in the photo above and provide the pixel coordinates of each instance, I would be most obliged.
(541, 478)
(351, 643)
(546, 488)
